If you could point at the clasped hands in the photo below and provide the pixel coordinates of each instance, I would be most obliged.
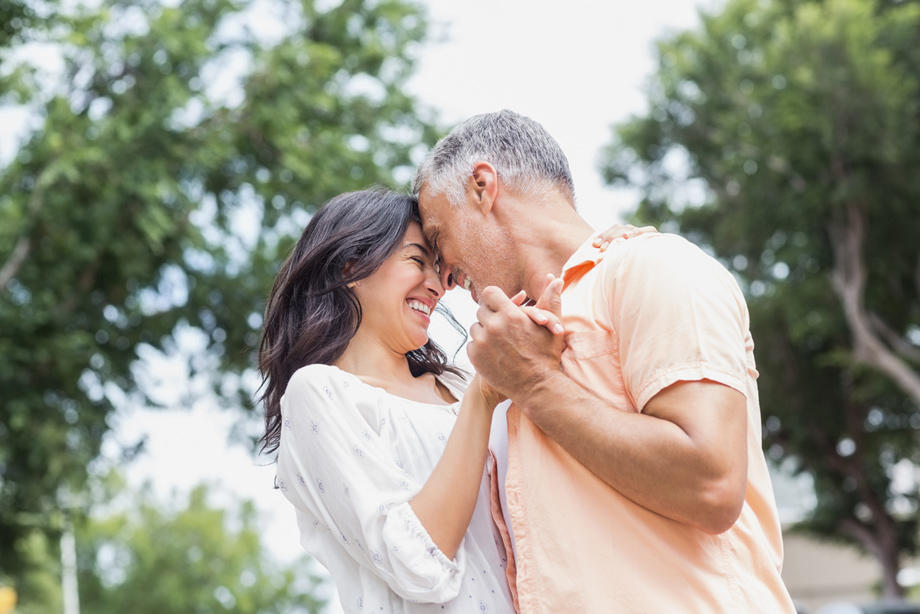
(514, 346)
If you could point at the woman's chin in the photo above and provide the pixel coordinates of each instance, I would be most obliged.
(419, 342)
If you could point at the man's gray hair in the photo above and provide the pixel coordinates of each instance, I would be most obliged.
(523, 153)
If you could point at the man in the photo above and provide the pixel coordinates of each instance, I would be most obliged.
(633, 476)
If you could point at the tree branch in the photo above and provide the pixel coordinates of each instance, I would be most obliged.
(24, 245)
(15, 261)
(896, 341)
(849, 281)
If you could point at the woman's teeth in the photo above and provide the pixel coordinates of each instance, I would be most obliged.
(467, 283)
(419, 306)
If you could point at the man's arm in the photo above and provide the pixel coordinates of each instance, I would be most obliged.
(684, 457)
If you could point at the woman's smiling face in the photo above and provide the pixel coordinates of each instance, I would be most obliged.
(398, 298)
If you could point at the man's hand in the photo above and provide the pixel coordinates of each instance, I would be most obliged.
(509, 348)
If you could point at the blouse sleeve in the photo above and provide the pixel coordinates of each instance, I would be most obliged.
(333, 464)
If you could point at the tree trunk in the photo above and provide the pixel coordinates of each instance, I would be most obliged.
(883, 545)
(891, 565)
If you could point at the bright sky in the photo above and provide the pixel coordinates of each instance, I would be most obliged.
(575, 70)
(576, 67)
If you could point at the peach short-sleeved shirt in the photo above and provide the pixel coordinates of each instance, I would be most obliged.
(649, 311)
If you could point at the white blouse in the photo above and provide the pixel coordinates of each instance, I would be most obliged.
(351, 457)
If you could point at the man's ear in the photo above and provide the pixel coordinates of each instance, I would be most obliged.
(484, 185)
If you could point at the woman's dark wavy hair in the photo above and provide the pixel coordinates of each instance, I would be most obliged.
(312, 314)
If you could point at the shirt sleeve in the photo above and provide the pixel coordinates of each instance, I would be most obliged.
(679, 315)
(333, 464)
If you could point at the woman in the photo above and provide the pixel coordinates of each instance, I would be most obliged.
(381, 460)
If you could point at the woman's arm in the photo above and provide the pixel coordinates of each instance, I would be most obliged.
(335, 468)
(445, 503)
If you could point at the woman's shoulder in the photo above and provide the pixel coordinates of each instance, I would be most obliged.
(457, 383)
(318, 378)
(316, 371)
(328, 392)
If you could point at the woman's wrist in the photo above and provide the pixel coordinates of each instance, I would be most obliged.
(489, 395)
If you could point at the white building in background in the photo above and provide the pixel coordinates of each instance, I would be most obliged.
(819, 573)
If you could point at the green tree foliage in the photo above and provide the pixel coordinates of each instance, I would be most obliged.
(16, 18)
(38, 582)
(171, 159)
(195, 559)
(786, 137)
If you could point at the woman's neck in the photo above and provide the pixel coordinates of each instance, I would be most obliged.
(376, 364)
(369, 358)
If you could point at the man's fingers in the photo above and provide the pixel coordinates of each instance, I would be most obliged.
(493, 299)
(519, 298)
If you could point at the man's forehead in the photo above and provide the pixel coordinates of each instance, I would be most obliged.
(425, 197)
(429, 210)
(429, 229)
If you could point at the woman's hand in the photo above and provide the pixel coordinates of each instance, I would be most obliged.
(619, 231)
(538, 312)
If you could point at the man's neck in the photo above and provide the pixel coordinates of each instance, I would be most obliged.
(553, 241)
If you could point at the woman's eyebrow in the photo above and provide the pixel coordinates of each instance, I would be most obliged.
(421, 247)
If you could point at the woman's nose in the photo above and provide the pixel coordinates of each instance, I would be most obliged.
(434, 285)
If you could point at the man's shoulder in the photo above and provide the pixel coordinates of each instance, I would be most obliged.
(662, 265)
(652, 253)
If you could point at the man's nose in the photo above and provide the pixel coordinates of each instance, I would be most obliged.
(447, 277)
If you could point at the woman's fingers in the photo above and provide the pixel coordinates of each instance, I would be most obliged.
(546, 319)
(619, 231)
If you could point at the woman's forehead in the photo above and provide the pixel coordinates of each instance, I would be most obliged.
(414, 235)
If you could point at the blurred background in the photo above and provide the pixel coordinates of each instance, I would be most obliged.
(158, 159)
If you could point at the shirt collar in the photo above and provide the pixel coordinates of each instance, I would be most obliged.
(583, 260)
